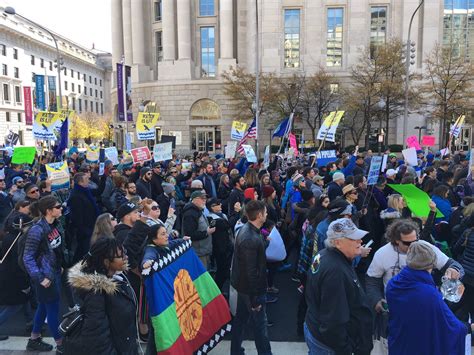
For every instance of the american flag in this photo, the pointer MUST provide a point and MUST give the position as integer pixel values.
(251, 133)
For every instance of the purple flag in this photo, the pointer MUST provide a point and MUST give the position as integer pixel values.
(121, 105)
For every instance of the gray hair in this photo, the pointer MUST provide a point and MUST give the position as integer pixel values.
(329, 243)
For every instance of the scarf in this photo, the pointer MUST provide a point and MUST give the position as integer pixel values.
(87, 191)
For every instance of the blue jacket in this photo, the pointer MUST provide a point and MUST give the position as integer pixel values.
(420, 321)
(444, 206)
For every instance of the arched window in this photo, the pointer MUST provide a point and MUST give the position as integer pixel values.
(205, 109)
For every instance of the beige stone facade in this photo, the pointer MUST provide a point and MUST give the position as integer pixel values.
(172, 75)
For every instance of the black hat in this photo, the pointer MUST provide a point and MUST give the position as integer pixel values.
(338, 206)
(143, 171)
(125, 209)
(212, 202)
(306, 194)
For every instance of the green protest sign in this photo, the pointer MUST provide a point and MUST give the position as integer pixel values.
(417, 200)
(23, 155)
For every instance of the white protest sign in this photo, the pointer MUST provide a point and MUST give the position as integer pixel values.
(374, 170)
(327, 131)
(410, 157)
(163, 151)
(444, 151)
(230, 149)
(249, 153)
(112, 154)
(266, 157)
(276, 249)
(384, 162)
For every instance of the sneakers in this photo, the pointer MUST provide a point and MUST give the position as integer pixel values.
(270, 298)
(272, 289)
(284, 267)
(38, 345)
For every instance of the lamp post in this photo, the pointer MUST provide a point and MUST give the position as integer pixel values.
(380, 137)
(11, 11)
(407, 68)
(419, 128)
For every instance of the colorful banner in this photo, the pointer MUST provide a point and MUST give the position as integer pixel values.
(23, 155)
(412, 141)
(163, 151)
(120, 103)
(53, 104)
(128, 92)
(140, 155)
(188, 313)
(417, 200)
(428, 141)
(325, 157)
(374, 170)
(45, 124)
(28, 105)
(146, 123)
(456, 127)
(58, 173)
(39, 89)
(238, 130)
(293, 143)
(327, 131)
(92, 154)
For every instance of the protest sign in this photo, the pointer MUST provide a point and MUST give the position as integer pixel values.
(266, 157)
(293, 144)
(23, 155)
(384, 162)
(374, 170)
(444, 151)
(230, 149)
(456, 127)
(101, 168)
(249, 153)
(276, 248)
(162, 151)
(92, 154)
(112, 154)
(409, 155)
(428, 141)
(238, 130)
(186, 166)
(417, 200)
(324, 157)
(412, 142)
(44, 125)
(140, 154)
(58, 173)
(146, 123)
(327, 131)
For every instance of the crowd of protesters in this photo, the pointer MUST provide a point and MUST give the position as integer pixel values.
(366, 269)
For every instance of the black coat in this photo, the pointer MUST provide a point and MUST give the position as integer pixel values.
(6, 206)
(135, 243)
(234, 197)
(143, 188)
(223, 193)
(121, 232)
(82, 214)
(164, 202)
(156, 188)
(109, 306)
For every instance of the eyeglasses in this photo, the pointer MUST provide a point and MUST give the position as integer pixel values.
(58, 207)
(33, 191)
(408, 243)
(155, 208)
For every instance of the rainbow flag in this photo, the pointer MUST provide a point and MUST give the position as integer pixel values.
(188, 312)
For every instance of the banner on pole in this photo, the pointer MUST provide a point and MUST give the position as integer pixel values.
(374, 170)
(140, 154)
(323, 157)
(238, 130)
(163, 151)
(45, 124)
(28, 105)
(58, 173)
(128, 92)
(456, 127)
(52, 104)
(327, 131)
(120, 103)
(39, 89)
(146, 123)
(428, 141)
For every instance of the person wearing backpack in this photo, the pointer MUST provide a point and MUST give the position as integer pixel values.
(42, 259)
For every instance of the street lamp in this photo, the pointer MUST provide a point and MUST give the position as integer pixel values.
(381, 105)
(11, 11)
(419, 128)
(407, 68)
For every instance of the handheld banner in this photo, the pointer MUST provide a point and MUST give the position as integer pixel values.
(327, 131)
(456, 127)
(92, 154)
(324, 157)
(111, 153)
(230, 149)
(23, 155)
(163, 151)
(374, 170)
(293, 143)
(146, 123)
(428, 141)
(249, 153)
(384, 162)
(58, 173)
(238, 130)
(410, 156)
(416, 199)
(45, 124)
(140, 154)
(412, 142)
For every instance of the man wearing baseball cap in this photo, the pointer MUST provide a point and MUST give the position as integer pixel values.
(339, 319)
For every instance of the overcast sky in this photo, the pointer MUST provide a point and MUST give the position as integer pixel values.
(82, 21)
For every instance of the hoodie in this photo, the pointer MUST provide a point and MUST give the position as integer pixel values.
(121, 231)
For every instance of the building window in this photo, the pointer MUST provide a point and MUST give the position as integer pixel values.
(4, 69)
(95, 81)
(7, 116)
(101, 96)
(16, 73)
(97, 107)
(90, 79)
(15, 53)
(458, 27)
(65, 85)
(292, 38)
(42, 63)
(78, 75)
(158, 10)
(74, 103)
(100, 82)
(96, 93)
(378, 27)
(72, 87)
(159, 46)
(19, 116)
(84, 77)
(32, 60)
(85, 90)
(205, 109)
(50, 65)
(334, 37)
(206, 7)
(85, 105)
(17, 94)
(3, 49)
(79, 89)
(90, 92)
(80, 105)
(208, 65)
(6, 92)
(72, 73)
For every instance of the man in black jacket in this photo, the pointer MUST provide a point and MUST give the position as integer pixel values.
(249, 278)
(339, 318)
(144, 183)
(156, 181)
(127, 214)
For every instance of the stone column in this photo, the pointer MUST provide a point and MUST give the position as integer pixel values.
(138, 32)
(226, 30)
(117, 32)
(169, 45)
(184, 29)
(127, 31)
(251, 35)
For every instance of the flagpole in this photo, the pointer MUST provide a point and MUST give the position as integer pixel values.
(257, 82)
(324, 139)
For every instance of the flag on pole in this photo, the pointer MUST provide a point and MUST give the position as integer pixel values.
(251, 133)
(282, 128)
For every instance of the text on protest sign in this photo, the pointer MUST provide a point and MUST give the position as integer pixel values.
(249, 153)
(374, 170)
(230, 149)
(428, 141)
(238, 130)
(140, 154)
(58, 173)
(324, 157)
(163, 151)
(146, 123)
(327, 131)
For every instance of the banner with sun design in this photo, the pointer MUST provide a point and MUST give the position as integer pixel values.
(188, 312)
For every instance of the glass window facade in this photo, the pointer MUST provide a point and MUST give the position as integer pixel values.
(159, 46)
(378, 27)
(292, 38)
(458, 27)
(335, 26)
(208, 52)
(206, 7)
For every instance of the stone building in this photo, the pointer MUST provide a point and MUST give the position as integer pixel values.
(179, 48)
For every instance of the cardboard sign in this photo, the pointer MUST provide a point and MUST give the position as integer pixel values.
(58, 173)
(249, 153)
(428, 141)
(112, 154)
(230, 149)
(417, 200)
(410, 156)
(140, 154)
(374, 170)
(412, 141)
(238, 130)
(163, 151)
(293, 144)
(24, 155)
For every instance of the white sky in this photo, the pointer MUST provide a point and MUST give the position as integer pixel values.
(82, 21)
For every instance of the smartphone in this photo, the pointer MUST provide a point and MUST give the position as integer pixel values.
(369, 243)
(212, 223)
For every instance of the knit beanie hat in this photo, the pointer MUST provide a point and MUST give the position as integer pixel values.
(143, 171)
(421, 256)
(167, 187)
(249, 193)
(337, 176)
(267, 191)
(28, 186)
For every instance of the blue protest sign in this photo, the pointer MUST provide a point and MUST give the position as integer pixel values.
(324, 157)
(374, 170)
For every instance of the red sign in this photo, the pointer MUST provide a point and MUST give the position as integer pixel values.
(140, 155)
(28, 105)
(428, 141)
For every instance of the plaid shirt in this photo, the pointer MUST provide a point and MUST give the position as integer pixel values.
(307, 247)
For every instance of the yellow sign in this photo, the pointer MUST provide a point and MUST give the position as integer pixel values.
(456, 128)
(327, 131)
(238, 130)
(146, 123)
(92, 154)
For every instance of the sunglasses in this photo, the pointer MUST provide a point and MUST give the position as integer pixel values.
(58, 207)
(353, 192)
(155, 208)
(112, 219)
(409, 243)
(33, 191)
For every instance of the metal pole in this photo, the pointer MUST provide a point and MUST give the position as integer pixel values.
(125, 115)
(407, 74)
(257, 80)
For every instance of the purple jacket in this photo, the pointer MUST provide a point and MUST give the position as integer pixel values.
(42, 255)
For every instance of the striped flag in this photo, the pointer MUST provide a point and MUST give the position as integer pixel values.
(251, 133)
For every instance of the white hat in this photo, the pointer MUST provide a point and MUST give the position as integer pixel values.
(338, 176)
(345, 228)
(391, 172)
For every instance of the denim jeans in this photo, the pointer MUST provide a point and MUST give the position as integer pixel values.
(259, 322)
(315, 347)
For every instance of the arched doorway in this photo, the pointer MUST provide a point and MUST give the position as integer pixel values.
(205, 119)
